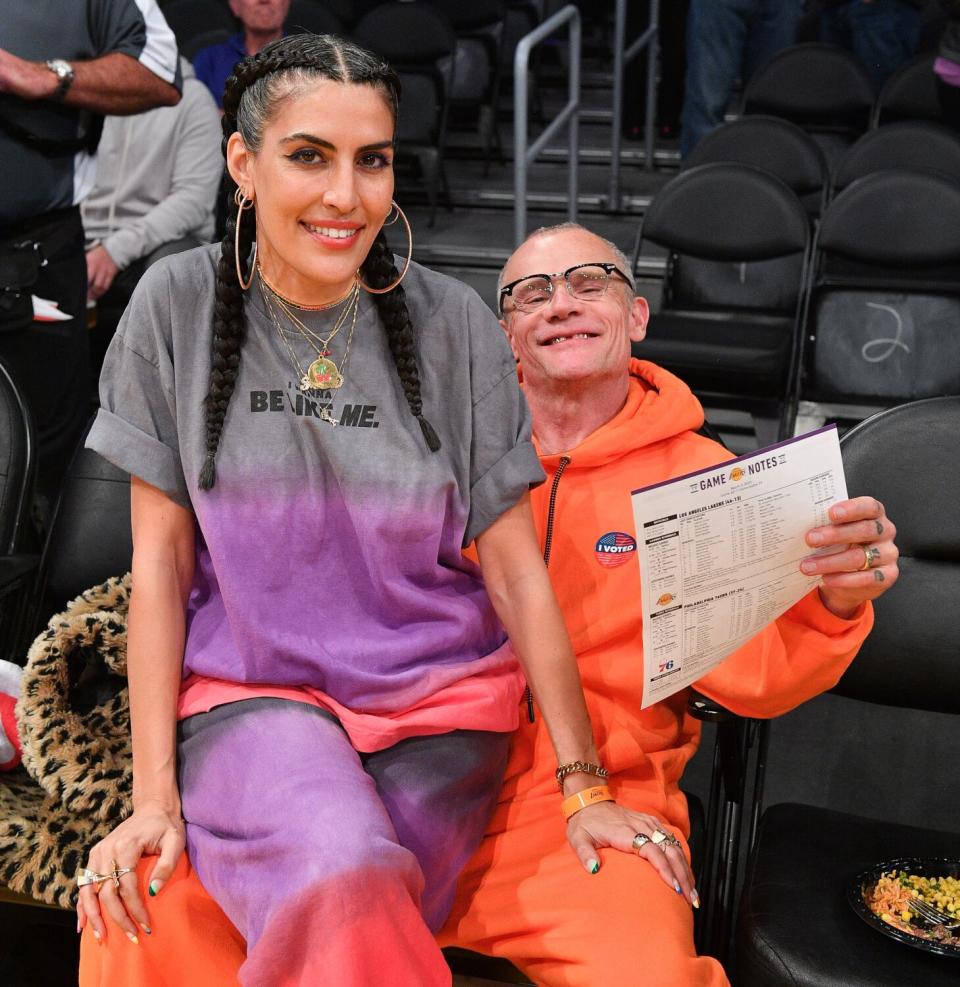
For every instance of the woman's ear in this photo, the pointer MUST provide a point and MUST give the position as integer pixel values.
(240, 163)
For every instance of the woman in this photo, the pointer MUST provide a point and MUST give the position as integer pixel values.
(299, 505)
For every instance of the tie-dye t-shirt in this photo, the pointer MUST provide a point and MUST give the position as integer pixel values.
(327, 556)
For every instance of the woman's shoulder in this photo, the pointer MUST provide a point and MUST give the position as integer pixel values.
(431, 293)
(188, 270)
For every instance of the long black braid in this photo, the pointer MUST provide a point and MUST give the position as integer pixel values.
(319, 56)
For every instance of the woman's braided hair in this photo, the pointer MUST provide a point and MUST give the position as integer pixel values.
(281, 70)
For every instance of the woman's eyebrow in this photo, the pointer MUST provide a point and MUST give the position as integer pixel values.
(320, 142)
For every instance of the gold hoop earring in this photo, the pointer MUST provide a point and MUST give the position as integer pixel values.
(382, 291)
(243, 203)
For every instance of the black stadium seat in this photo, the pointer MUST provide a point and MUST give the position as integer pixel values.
(796, 924)
(884, 313)
(914, 145)
(739, 249)
(771, 144)
(910, 93)
(820, 87)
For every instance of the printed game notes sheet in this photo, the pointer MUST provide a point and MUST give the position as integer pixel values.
(720, 551)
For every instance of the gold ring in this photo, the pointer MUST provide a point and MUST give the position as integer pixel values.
(871, 555)
(640, 841)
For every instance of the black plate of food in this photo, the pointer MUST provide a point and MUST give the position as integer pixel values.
(880, 897)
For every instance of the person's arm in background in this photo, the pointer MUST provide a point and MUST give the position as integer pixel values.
(188, 203)
(162, 573)
(137, 69)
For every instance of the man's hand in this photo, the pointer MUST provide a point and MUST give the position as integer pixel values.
(101, 271)
(862, 563)
(28, 80)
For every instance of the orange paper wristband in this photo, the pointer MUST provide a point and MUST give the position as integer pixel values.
(580, 800)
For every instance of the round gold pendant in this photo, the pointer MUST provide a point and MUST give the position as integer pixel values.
(323, 375)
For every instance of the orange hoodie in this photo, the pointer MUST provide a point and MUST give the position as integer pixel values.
(587, 494)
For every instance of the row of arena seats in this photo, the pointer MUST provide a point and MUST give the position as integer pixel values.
(764, 308)
(804, 860)
(826, 90)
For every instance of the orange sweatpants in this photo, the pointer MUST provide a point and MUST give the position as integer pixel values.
(525, 896)
(192, 943)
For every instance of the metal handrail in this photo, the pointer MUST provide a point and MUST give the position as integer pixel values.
(523, 156)
(650, 39)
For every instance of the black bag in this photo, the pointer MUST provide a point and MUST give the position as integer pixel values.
(20, 263)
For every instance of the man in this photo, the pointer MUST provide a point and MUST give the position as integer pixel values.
(62, 67)
(604, 424)
(262, 22)
(155, 195)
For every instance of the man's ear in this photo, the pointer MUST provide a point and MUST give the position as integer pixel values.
(239, 163)
(638, 318)
(505, 326)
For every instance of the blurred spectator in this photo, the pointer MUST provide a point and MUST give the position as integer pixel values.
(881, 33)
(155, 195)
(947, 65)
(262, 22)
(726, 41)
(122, 58)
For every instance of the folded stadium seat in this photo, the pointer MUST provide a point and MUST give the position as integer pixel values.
(480, 30)
(884, 308)
(19, 558)
(913, 145)
(796, 923)
(188, 19)
(820, 87)
(312, 17)
(774, 145)
(738, 242)
(419, 42)
(910, 93)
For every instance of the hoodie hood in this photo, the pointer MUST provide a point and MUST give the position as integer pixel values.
(659, 406)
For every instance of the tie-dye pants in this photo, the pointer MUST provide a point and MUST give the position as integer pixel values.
(336, 867)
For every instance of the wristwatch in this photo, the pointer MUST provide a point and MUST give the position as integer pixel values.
(64, 72)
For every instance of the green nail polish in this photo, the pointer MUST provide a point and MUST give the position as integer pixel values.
(595, 866)
(153, 890)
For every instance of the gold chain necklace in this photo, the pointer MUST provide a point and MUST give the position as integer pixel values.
(322, 374)
(320, 343)
(306, 308)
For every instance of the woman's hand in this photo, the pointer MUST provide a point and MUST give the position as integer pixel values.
(607, 824)
(152, 829)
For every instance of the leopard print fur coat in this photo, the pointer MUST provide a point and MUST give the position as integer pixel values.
(73, 715)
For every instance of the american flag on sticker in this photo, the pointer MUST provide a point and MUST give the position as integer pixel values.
(614, 548)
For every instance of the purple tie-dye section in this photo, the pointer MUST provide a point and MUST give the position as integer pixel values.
(369, 600)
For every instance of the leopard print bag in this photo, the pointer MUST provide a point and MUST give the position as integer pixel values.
(73, 715)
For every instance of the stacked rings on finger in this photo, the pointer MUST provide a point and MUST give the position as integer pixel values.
(85, 876)
(663, 840)
(871, 556)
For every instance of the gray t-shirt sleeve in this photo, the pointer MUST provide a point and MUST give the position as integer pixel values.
(503, 462)
(136, 426)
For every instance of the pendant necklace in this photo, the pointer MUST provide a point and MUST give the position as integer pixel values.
(322, 374)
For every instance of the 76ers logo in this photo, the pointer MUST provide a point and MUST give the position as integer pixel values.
(614, 548)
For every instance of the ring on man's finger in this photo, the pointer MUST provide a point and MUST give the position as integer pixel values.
(640, 841)
(871, 555)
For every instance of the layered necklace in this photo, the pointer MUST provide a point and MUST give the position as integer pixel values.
(322, 374)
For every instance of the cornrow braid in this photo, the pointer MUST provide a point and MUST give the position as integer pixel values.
(251, 95)
(379, 271)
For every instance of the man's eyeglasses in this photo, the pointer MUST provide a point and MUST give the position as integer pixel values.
(585, 281)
